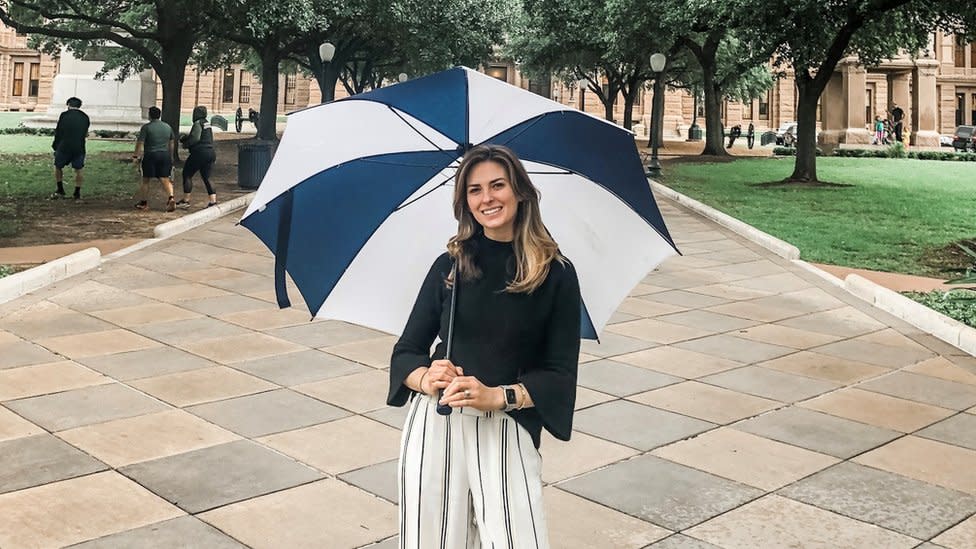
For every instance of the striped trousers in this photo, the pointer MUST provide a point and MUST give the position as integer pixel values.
(468, 480)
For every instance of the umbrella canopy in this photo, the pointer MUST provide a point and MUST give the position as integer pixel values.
(357, 202)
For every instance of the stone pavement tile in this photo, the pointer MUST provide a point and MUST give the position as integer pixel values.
(7, 337)
(779, 283)
(685, 299)
(681, 541)
(267, 320)
(894, 338)
(203, 385)
(210, 274)
(628, 423)
(294, 518)
(749, 459)
(890, 501)
(200, 251)
(818, 432)
(142, 438)
(245, 262)
(782, 335)
(771, 384)
(216, 306)
(575, 523)
(728, 291)
(930, 390)
(843, 322)
(42, 379)
(959, 430)
(339, 446)
(660, 491)
(23, 353)
(582, 453)
(97, 343)
(95, 295)
(371, 352)
(731, 255)
(873, 353)
(775, 521)
(302, 367)
(357, 392)
(646, 306)
(755, 310)
(707, 321)
(180, 333)
(644, 330)
(132, 277)
(161, 261)
(379, 479)
(645, 289)
(326, 333)
(588, 397)
(707, 402)
(686, 262)
(617, 317)
(878, 409)
(943, 369)
(238, 348)
(934, 462)
(13, 426)
(80, 509)
(203, 479)
(185, 532)
(145, 314)
(47, 319)
(824, 367)
(246, 282)
(266, 413)
(617, 378)
(584, 358)
(962, 536)
(85, 406)
(148, 363)
(40, 459)
(735, 348)
(678, 362)
(180, 292)
(758, 267)
(683, 279)
(389, 543)
(394, 416)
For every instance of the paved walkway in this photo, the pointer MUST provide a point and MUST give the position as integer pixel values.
(735, 402)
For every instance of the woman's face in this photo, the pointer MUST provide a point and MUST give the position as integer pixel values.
(491, 200)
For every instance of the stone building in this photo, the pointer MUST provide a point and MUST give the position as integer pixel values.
(25, 74)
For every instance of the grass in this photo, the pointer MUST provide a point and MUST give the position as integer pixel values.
(32, 176)
(41, 145)
(12, 119)
(896, 211)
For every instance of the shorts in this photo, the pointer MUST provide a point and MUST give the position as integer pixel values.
(62, 159)
(157, 164)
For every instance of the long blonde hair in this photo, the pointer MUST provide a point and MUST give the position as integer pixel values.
(534, 248)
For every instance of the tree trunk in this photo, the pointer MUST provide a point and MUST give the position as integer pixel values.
(270, 63)
(326, 74)
(629, 100)
(608, 104)
(805, 166)
(714, 135)
(171, 78)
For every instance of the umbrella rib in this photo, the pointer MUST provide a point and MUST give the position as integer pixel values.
(418, 132)
(439, 185)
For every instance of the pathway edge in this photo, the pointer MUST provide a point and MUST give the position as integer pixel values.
(35, 278)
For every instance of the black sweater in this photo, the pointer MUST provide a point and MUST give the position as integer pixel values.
(499, 337)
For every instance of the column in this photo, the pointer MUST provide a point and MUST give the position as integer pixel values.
(843, 103)
(924, 130)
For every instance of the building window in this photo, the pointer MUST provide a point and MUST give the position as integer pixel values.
(500, 73)
(972, 55)
(228, 85)
(245, 96)
(764, 107)
(290, 81)
(869, 105)
(747, 110)
(960, 52)
(18, 79)
(34, 84)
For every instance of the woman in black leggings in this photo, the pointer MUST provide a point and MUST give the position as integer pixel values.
(201, 159)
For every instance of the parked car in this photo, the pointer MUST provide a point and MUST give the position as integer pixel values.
(945, 140)
(964, 139)
(786, 128)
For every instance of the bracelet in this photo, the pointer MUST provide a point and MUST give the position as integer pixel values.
(525, 396)
(421, 384)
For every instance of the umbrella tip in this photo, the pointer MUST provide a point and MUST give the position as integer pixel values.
(463, 148)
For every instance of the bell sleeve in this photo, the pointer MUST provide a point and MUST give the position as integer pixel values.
(412, 350)
(552, 385)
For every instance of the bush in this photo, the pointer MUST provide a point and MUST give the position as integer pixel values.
(24, 130)
(791, 151)
(896, 150)
(6, 270)
(114, 134)
(956, 304)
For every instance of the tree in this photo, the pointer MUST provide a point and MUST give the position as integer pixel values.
(871, 30)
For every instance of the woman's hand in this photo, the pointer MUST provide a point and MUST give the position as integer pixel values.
(468, 391)
(439, 375)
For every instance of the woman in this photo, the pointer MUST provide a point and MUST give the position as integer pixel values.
(202, 157)
(472, 478)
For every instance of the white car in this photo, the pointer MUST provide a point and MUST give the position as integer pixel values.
(786, 128)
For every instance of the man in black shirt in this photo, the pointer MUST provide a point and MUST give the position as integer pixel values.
(69, 146)
(898, 116)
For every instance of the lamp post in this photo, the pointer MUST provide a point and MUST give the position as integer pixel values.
(326, 53)
(402, 77)
(658, 60)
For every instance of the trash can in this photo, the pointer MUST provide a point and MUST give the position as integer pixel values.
(766, 138)
(253, 159)
(694, 133)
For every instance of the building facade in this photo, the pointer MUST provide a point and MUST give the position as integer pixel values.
(26, 75)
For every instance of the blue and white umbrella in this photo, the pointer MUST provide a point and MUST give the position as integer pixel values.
(357, 202)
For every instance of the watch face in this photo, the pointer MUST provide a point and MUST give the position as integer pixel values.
(510, 396)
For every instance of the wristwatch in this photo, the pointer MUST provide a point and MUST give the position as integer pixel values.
(511, 402)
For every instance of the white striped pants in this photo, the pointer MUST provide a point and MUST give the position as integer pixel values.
(468, 480)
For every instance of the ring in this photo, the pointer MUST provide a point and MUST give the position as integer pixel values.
(467, 394)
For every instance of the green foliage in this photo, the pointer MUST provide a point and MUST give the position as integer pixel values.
(970, 276)
(24, 130)
(893, 213)
(790, 151)
(917, 155)
(896, 150)
(956, 304)
(5, 270)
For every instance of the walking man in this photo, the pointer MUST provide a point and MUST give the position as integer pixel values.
(154, 149)
(898, 116)
(69, 146)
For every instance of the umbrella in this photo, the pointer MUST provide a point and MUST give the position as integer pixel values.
(357, 201)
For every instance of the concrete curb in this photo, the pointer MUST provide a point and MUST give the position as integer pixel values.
(187, 222)
(18, 284)
(819, 272)
(771, 243)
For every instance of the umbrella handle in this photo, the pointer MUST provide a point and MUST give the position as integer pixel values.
(444, 409)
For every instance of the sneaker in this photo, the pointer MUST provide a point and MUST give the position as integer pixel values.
(210, 204)
(56, 195)
(183, 204)
(170, 204)
(142, 205)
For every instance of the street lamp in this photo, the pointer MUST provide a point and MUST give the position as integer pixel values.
(326, 53)
(402, 77)
(658, 60)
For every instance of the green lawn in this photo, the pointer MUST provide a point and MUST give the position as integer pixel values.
(41, 144)
(896, 210)
(27, 176)
(12, 119)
